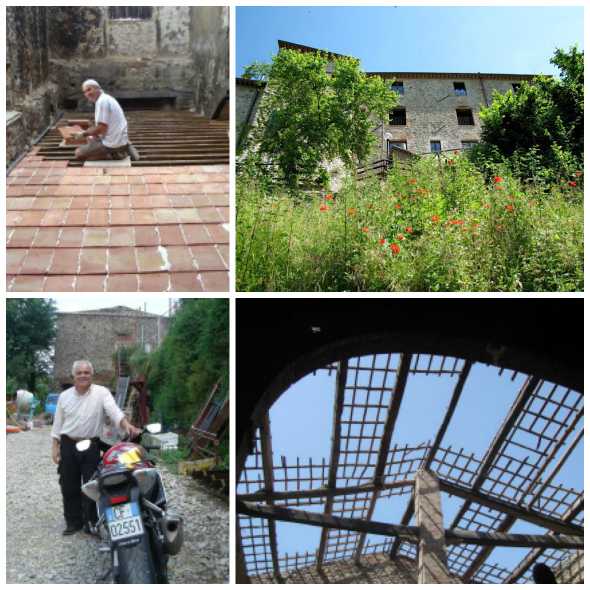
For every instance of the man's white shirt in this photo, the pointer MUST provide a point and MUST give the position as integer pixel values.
(108, 111)
(83, 415)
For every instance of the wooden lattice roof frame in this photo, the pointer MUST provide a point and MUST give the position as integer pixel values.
(497, 489)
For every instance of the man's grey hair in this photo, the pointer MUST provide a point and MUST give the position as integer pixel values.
(77, 364)
(91, 83)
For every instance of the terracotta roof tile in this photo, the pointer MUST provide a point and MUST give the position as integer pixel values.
(150, 228)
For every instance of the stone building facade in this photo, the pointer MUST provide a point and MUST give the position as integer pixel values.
(174, 56)
(97, 335)
(436, 111)
(439, 111)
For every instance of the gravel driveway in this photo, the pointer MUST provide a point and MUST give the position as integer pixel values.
(37, 553)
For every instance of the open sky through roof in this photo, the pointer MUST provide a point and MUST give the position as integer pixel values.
(301, 426)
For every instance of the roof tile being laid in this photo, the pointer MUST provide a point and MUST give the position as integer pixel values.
(152, 228)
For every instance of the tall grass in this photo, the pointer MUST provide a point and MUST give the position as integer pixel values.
(437, 227)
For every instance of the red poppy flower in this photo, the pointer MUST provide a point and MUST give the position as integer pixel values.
(324, 208)
(400, 237)
(450, 162)
(456, 222)
(382, 241)
(330, 197)
(365, 229)
(498, 179)
(573, 183)
(509, 207)
(435, 218)
(409, 230)
(398, 206)
(395, 249)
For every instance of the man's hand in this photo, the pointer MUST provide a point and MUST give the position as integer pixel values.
(55, 454)
(133, 431)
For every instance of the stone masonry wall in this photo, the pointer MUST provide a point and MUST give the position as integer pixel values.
(248, 96)
(210, 55)
(96, 335)
(31, 98)
(377, 568)
(431, 111)
(123, 54)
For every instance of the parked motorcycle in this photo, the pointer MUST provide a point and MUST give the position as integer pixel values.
(133, 522)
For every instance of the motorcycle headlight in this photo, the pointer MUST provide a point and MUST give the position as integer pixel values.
(146, 479)
(91, 490)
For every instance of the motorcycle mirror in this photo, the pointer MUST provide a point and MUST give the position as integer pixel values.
(155, 428)
(83, 445)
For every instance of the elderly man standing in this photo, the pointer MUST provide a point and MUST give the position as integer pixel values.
(80, 415)
(108, 136)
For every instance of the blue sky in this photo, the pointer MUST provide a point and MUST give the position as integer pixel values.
(507, 39)
(301, 425)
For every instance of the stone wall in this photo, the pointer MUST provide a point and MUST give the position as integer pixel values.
(248, 96)
(31, 98)
(377, 568)
(431, 115)
(96, 335)
(210, 55)
(132, 56)
(571, 570)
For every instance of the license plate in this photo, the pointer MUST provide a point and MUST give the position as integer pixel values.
(124, 521)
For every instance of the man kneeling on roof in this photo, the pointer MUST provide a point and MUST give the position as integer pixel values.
(108, 138)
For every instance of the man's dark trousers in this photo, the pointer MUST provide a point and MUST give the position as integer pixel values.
(75, 468)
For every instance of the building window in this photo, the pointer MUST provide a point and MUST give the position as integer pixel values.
(516, 86)
(467, 145)
(402, 145)
(460, 89)
(435, 147)
(397, 117)
(130, 12)
(465, 117)
(398, 87)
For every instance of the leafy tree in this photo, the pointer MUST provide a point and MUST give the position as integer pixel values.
(30, 331)
(315, 110)
(537, 132)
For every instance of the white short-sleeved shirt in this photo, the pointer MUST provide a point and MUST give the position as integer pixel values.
(82, 415)
(108, 111)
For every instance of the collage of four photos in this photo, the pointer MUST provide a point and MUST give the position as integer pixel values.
(294, 294)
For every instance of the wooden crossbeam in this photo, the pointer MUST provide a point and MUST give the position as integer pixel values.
(408, 533)
(324, 492)
(519, 512)
(532, 516)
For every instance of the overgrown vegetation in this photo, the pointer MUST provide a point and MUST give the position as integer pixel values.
(312, 114)
(439, 226)
(193, 357)
(537, 132)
